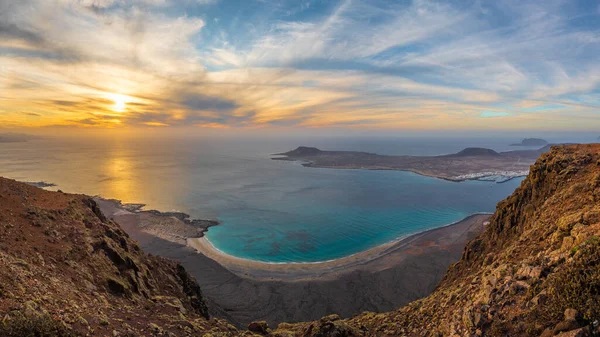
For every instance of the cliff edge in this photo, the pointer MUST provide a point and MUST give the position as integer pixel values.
(66, 270)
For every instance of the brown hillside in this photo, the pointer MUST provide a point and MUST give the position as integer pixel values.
(66, 270)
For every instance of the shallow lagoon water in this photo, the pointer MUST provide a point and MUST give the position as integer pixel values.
(341, 212)
(272, 211)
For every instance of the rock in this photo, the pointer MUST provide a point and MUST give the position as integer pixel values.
(536, 272)
(566, 326)
(478, 319)
(260, 327)
(570, 314)
(567, 243)
(540, 299)
(492, 281)
(117, 287)
(527, 272)
(155, 328)
(331, 318)
(518, 286)
(547, 333)
(582, 332)
(337, 328)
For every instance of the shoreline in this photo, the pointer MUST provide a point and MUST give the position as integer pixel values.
(455, 179)
(177, 227)
(408, 269)
(327, 269)
(173, 226)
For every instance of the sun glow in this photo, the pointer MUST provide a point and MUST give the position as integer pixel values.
(120, 102)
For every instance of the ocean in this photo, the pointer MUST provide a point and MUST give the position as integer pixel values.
(271, 211)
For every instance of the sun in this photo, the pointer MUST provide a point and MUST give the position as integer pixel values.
(120, 102)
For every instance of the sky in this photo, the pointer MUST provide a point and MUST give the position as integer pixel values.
(310, 64)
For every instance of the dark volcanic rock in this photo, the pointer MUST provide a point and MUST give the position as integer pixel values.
(301, 151)
(476, 151)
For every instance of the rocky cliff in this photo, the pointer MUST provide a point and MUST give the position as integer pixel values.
(65, 270)
(535, 271)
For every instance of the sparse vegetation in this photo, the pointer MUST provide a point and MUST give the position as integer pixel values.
(576, 285)
(22, 325)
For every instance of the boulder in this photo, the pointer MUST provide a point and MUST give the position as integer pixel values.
(529, 272)
(540, 299)
(331, 318)
(260, 327)
(566, 326)
(570, 314)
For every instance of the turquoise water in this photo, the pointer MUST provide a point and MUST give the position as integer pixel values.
(342, 212)
(271, 211)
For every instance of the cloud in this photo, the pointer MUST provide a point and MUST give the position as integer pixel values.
(488, 114)
(350, 63)
(355, 29)
(11, 30)
(33, 114)
(198, 102)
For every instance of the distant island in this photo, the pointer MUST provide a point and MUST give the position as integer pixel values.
(472, 163)
(531, 142)
(14, 137)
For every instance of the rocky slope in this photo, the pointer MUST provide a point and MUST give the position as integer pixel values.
(535, 271)
(65, 270)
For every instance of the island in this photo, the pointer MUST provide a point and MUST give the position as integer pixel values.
(531, 142)
(14, 137)
(472, 163)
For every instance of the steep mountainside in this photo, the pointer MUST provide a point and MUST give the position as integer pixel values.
(534, 271)
(65, 270)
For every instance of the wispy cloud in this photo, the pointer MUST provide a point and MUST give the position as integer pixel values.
(350, 63)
